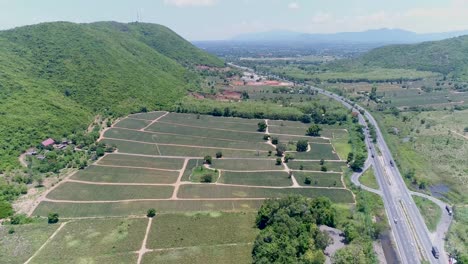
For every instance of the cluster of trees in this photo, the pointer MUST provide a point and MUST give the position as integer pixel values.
(289, 230)
(357, 157)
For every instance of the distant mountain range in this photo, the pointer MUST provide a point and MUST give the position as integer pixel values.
(383, 35)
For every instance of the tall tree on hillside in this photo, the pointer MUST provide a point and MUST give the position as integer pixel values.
(314, 130)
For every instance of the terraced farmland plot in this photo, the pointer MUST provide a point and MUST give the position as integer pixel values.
(148, 116)
(292, 138)
(189, 118)
(318, 179)
(132, 123)
(335, 166)
(95, 241)
(218, 191)
(317, 152)
(216, 133)
(201, 229)
(141, 161)
(154, 137)
(235, 124)
(270, 178)
(181, 151)
(246, 164)
(140, 207)
(300, 131)
(74, 191)
(125, 175)
(226, 254)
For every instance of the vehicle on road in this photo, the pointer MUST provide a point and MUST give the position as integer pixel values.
(449, 210)
(395, 220)
(435, 252)
(391, 163)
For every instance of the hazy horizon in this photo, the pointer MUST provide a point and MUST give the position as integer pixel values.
(199, 20)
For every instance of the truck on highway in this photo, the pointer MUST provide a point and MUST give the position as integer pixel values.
(435, 252)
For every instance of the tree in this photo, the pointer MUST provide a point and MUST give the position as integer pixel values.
(314, 130)
(278, 161)
(373, 93)
(302, 145)
(207, 178)
(323, 168)
(245, 95)
(465, 129)
(352, 254)
(52, 218)
(151, 212)
(280, 149)
(322, 161)
(307, 180)
(219, 154)
(208, 159)
(306, 119)
(5, 209)
(262, 126)
(274, 141)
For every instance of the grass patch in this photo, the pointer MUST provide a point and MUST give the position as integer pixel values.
(125, 175)
(368, 179)
(229, 254)
(27, 239)
(95, 241)
(430, 212)
(458, 233)
(90, 192)
(318, 179)
(317, 152)
(191, 165)
(202, 174)
(271, 178)
(201, 229)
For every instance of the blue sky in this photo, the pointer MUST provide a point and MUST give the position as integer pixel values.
(222, 19)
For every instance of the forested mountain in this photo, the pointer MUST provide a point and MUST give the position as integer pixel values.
(55, 77)
(448, 56)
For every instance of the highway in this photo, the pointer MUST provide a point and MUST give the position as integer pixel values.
(409, 230)
(411, 236)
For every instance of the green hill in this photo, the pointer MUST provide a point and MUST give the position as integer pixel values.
(448, 56)
(55, 77)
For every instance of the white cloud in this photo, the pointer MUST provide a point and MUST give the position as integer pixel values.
(293, 5)
(185, 3)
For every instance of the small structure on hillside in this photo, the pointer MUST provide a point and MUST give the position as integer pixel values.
(48, 142)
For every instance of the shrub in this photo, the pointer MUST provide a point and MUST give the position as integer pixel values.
(208, 159)
(302, 145)
(323, 168)
(266, 137)
(262, 126)
(207, 178)
(53, 218)
(219, 154)
(151, 212)
(274, 141)
(278, 161)
(280, 149)
(307, 180)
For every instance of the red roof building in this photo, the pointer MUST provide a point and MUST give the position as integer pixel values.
(48, 142)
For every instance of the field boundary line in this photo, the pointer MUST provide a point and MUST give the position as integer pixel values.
(121, 184)
(132, 167)
(154, 121)
(143, 248)
(46, 242)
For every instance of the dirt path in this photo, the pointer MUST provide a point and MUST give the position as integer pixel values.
(154, 121)
(22, 160)
(207, 246)
(461, 135)
(178, 182)
(143, 248)
(47, 241)
(132, 167)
